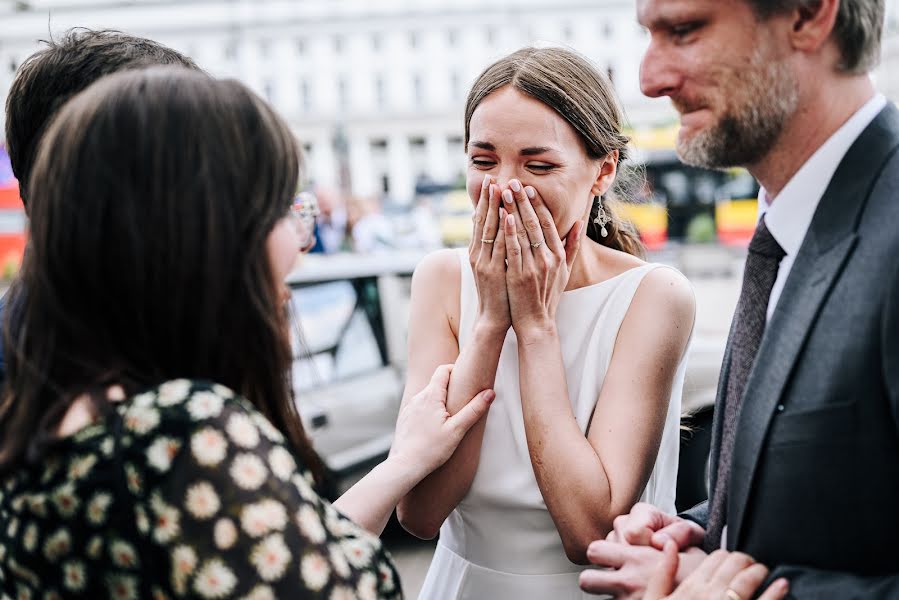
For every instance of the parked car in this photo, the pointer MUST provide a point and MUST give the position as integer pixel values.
(350, 361)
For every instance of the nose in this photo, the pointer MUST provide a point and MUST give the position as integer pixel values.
(659, 73)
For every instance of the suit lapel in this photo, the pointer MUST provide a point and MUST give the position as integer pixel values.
(827, 246)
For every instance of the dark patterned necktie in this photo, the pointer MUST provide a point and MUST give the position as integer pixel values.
(762, 263)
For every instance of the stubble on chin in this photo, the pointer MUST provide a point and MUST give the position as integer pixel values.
(759, 103)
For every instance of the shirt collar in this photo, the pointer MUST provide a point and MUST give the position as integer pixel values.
(789, 218)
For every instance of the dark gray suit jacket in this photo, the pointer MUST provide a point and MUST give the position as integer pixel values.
(814, 488)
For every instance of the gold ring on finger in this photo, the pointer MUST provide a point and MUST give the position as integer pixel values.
(536, 245)
(732, 595)
(486, 241)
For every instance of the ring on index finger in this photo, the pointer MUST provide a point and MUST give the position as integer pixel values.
(732, 595)
(486, 241)
(536, 245)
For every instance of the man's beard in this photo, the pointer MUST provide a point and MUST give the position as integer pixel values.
(760, 103)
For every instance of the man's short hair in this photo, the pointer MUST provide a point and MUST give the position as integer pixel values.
(857, 31)
(64, 67)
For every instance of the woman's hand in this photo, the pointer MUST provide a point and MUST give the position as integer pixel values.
(722, 576)
(426, 435)
(539, 263)
(487, 255)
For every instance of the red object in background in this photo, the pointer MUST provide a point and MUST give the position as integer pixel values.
(13, 230)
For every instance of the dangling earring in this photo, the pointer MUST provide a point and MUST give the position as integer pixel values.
(602, 217)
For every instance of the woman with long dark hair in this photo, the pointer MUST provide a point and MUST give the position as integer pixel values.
(149, 442)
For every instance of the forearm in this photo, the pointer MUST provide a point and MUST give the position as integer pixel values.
(568, 469)
(424, 509)
(371, 501)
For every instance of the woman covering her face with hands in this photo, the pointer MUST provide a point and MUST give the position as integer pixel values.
(552, 306)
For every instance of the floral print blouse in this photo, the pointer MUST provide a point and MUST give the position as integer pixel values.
(184, 491)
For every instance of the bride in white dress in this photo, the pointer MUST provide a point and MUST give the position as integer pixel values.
(551, 306)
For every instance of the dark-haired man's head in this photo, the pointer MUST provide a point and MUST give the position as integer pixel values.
(64, 67)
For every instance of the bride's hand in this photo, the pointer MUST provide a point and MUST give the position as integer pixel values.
(539, 263)
(426, 435)
(487, 255)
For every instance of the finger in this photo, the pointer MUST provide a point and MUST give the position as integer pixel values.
(512, 209)
(440, 380)
(685, 534)
(499, 247)
(662, 581)
(728, 569)
(612, 537)
(480, 214)
(747, 581)
(528, 215)
(604, 553)
(573, 244)
(596, 581)
(777, 590)
(513, 246)
(471, 413)
(491, 221)
(545, 219)
(707, 567)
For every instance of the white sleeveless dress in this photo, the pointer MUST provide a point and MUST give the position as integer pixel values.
(500, 543)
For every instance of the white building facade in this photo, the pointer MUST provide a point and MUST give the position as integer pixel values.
(374, 90)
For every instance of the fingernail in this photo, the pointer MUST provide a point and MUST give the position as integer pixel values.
(510, 220)
(515, 185)
(502, 213)
(531, 192)
(486, 181)
(507, 196)
(490, 396)
(492, 191)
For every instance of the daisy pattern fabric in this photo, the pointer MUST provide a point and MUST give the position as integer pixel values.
(184, 491)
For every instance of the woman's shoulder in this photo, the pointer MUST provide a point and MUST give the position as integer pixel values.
(439, 268)
(665, 295)
(195, 402)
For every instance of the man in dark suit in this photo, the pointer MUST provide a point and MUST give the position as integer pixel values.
(805, 450)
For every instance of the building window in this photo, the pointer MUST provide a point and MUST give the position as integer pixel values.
(265, 48)
(567, 32)
(610, 71)
(418, 91)
(608, 30)
(338, 44)
(376, 42)
(417, 143)
(380, 92)
(269, 89)
(301, 46)
(379, 145)
(231, 50)
(413, 39)
(491, 36)
(343, 94)
(452, 37)
(455, 85)
(305, 96)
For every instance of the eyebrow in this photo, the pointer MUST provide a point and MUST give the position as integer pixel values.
(531, 151)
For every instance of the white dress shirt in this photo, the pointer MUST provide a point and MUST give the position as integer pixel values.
(789, 218)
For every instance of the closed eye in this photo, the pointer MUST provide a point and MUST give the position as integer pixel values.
(682, 30)
(482, 163)
(540, 167)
